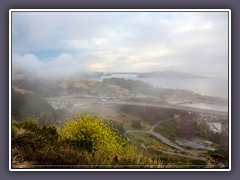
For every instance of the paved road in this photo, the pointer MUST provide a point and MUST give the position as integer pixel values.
(170, 143)
(160, 137)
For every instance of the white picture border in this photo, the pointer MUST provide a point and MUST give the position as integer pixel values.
(120, 10)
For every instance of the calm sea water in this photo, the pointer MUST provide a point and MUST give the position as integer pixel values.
(211, 86)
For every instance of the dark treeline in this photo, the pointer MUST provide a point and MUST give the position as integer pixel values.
(25, 105)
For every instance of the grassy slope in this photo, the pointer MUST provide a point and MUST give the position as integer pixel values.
(44, 146)
(35, 146)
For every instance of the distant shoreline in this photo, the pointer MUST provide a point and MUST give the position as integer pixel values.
(169, 74)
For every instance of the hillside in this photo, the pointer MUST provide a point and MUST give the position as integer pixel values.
(47, 131)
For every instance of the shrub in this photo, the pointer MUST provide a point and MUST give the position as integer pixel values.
(30, 124)
(136, 124)
(91, 133)
(29, 133)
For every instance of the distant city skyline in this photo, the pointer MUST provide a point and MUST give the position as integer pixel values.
(66, 43)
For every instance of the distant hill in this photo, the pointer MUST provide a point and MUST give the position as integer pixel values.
(169, 74)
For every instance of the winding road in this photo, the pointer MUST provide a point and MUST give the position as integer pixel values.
(170, 143)
(158, 136)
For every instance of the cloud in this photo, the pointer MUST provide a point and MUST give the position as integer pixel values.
(61, 43)
(99, 66)
(155, 66)
(27, 61)
(64, 65)
(148, 54)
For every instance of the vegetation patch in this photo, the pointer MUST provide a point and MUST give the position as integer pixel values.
(85, 141)
(169, 129)
(91, 133)
(186, 129)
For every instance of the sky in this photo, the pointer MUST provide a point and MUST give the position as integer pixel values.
(67, 43)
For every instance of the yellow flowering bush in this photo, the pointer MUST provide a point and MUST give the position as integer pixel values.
(92, 133)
